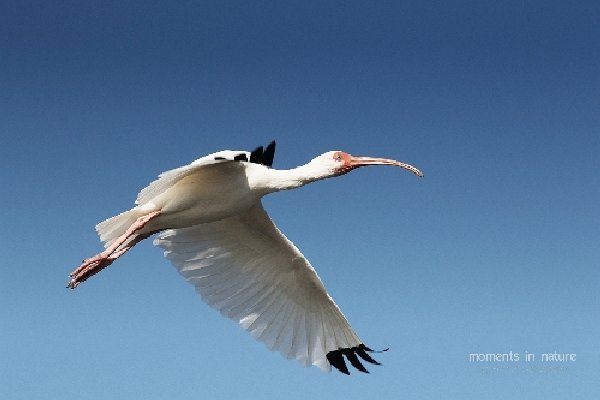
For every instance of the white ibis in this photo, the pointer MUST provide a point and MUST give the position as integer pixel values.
(215, 231)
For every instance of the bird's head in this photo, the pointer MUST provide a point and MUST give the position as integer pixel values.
(339, 163)
(330, 164)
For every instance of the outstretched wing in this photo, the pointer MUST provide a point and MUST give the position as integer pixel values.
(169, 178)
(244, 267)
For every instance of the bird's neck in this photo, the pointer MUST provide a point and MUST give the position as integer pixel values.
(284, 179)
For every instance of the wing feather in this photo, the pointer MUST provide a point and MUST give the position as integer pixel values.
(244, 267)
(169, 178)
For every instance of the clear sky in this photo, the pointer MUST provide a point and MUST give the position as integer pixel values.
(495, 250)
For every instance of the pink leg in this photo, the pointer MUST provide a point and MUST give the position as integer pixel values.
(93, 265)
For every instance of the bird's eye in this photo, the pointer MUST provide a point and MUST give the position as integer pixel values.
(338, 157)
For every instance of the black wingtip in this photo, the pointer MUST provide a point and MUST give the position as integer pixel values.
(269, 155)
(336, 358)
(256, 155)
(239, 157)
(264, 157)
(361, 350)
(351, 356)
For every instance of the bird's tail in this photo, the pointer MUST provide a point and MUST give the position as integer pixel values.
(114, 227)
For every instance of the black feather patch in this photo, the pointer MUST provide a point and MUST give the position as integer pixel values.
(361, 350)
(240, 157)
(351, 356)
(269, 155)
(336, 358)
(258, 156)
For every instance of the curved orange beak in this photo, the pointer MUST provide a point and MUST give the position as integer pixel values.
(357, 162)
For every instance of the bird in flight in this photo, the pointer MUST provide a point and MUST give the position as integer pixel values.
(213, 228)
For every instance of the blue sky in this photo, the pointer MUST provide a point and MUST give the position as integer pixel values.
(494, 250)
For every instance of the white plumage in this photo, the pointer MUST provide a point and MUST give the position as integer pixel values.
(246, 269)
(214, 230)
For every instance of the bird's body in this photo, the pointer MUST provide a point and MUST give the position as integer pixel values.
(215, 231)
(183, 203)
